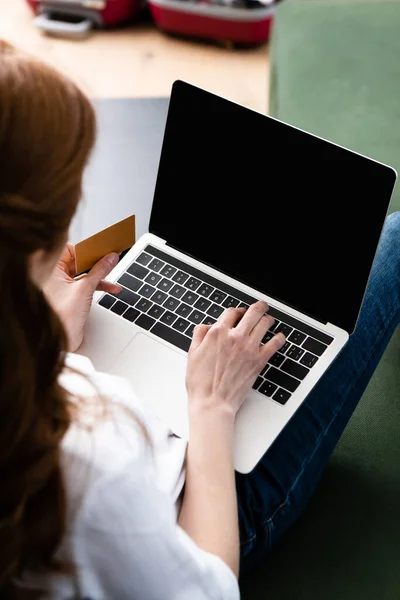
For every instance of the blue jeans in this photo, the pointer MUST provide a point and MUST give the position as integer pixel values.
(274, 494)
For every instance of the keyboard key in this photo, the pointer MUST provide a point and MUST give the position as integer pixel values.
(184, 310)
(168, 271)
(143, 304)
(156, 264)
(131, 314)
(145, 322)
(309, 360)
(119, 307)
(275, 325)
(283, 379)
(171, 303)
(170, 335)
(192, 283)
(297, 337)
(168, 318)
(267, 388)
(146, 290)
(230, 301)
(130, 282)
(107, 301)
(189, 330)
(181, 324)
(177, 291)
(165, 285)
(268, 336)
(202, 276)
(209, 321)
(156, 311)
(190, 297)
(276, 360)
(138, 271)
(127, 296)
(243, 305)
(265, 369)
(218, 296)
(159, 297)
(303, 327)
(314, 346)
(293, 368)
(196, 317)
(285, 348)
(215, 311)
(294, 353)
(205, 290)
(180, 277)
(281, 396)
(202, 304)
(283, 328)
(153, 278)
(191, 271)
(257, 383)
(144, 258)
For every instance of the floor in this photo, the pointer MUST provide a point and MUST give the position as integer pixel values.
(141, 61)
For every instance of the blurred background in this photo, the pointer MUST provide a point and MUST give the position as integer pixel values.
(137, 59)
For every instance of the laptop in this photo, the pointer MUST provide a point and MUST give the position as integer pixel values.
(245, 208)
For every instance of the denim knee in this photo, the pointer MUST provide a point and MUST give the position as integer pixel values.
(392, 226)
(390, 239)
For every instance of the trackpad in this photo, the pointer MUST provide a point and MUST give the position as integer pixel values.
(157, 374)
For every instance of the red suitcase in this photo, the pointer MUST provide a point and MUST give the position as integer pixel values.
(77, 17)
(202, 19)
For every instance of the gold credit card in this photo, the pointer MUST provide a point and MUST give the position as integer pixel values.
(117, 238)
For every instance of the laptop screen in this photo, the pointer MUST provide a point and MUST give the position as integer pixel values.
(287, 213)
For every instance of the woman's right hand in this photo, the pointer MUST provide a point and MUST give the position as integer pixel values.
(225, 359)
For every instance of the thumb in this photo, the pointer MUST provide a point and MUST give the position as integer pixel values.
(199, 333)
(101, 269)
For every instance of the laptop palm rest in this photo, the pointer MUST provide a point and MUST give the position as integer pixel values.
(157, 375)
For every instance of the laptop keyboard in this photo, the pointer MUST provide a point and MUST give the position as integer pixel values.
(168, 297)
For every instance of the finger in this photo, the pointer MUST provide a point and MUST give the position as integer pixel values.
(67, 260)
(253, 314)
(261, 328)
(271, 347)
(199, 333)
(71, 249)
(231, 316)
(101, 269)
(108, 286)
(70, 262)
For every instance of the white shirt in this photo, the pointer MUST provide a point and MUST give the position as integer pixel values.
(123, 495)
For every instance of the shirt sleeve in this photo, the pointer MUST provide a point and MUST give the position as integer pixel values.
(128, 545)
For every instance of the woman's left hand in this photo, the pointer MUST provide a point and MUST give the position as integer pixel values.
(71, 298)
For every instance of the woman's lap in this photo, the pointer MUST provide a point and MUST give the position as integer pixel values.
(273, 495)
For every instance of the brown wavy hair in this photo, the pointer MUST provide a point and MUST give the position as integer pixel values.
(47, 130)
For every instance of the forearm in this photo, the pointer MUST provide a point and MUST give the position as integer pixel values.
(209, 509)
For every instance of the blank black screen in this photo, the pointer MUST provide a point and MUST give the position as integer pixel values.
(287, 213)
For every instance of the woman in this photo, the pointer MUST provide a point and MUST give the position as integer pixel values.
(93, 502)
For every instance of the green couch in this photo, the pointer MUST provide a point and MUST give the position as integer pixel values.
(335, 71)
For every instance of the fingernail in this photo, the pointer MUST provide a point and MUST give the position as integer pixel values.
(113, 259)
(281, 337)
